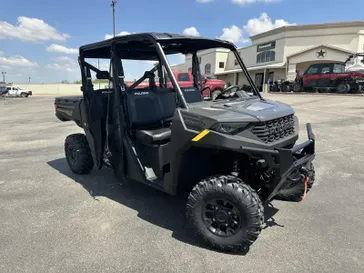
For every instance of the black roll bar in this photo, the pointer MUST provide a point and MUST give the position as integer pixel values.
(170, 74)
(246, 72)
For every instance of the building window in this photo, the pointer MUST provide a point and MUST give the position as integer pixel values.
(207, 69)
(221, 64)
(266, 56)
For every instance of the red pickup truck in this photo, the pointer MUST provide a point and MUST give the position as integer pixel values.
(185, 79)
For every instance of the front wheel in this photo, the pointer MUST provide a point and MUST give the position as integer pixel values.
(297, 87)
(24, 95)
(226, 213)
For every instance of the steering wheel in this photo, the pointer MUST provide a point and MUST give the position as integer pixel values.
(228, 90)
(206, 87)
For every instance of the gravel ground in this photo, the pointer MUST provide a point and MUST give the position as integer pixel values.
(54, 221)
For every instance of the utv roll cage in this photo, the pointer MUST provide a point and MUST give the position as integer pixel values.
(152, 47)
(361, 54)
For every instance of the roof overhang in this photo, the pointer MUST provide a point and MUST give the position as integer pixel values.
(320, 46)
(253, 68)
(306, 27)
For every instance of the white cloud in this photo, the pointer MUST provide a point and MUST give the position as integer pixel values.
(233, 34)
(262, 24)
(204, 1)
(109, 36)
(254, 26)
(192, 31)
(16, 61)
(61, 49)
(63, 63)
(30, 30)
(246, 2)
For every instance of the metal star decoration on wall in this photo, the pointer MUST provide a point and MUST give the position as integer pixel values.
(321, 53)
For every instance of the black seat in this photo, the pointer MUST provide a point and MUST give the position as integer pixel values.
(192, 94)
(150, 113)
(154, 136)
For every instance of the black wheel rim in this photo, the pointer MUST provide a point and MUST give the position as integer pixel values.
(341, 88)
(221, 217)
(71, 154)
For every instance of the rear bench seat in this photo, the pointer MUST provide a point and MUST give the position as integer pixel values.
(150, 112)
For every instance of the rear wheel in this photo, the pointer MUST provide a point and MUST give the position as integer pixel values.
(78, 154)
(343, 88)
(360, 89)
(226, 213)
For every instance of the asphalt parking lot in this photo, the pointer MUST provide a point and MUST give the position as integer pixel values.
(54, 221)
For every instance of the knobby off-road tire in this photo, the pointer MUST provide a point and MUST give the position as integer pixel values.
(241, 205)
(78, 154)
(297, 87)
(295, 192)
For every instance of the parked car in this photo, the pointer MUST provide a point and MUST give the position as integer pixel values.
(3, 90)
(13, 91)
(209, 87)
(231, 154)
(330, 77)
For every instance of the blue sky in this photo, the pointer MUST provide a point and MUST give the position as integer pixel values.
(40, 38)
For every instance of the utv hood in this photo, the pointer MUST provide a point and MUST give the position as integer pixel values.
(243, 110)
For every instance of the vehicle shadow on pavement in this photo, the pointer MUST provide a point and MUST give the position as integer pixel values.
(152, 205)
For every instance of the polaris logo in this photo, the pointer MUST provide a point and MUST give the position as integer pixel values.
(141, 93)
(189, 90)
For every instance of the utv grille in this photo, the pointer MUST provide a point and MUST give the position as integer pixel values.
(276, 129)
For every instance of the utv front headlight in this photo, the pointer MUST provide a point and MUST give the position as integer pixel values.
(229, 128)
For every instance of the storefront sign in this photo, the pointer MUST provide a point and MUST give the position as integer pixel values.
(266, 46)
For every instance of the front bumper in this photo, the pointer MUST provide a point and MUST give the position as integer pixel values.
(285, 162)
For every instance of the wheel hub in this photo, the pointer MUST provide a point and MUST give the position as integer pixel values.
(221, 217)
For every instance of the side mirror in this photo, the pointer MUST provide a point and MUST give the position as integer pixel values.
(102, 75)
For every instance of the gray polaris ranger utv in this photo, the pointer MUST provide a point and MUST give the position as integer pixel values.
(231, 154)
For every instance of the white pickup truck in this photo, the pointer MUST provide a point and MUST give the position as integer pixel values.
(13, 91)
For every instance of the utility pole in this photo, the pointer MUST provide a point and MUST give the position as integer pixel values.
(113, 3)
(29, 79)
(4, 73)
